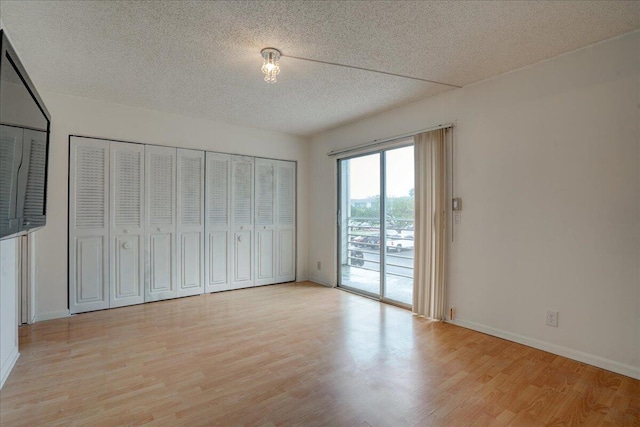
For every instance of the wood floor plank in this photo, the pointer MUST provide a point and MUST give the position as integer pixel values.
(295, 354)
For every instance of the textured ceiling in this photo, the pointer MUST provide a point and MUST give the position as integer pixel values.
(202, 59)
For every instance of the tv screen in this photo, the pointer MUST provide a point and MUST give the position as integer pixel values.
(24, 148)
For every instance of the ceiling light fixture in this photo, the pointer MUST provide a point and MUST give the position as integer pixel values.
(271, 64)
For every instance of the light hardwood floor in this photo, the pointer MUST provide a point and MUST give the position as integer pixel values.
(295, 354)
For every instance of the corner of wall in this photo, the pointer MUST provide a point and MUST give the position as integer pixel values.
(7, 366)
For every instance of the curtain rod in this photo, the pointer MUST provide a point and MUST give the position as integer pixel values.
(384, 141)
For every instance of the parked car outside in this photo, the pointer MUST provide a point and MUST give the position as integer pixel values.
(398, 242)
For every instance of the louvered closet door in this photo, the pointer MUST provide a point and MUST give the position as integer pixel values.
(34, 214)
(218, 223)
(160, 226)
(242, 217)
(286, 222)
(127, 224)
(10, 159)
(88, 225)
(190, 241)
(265, 251)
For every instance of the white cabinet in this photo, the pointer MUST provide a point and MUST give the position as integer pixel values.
(88, 225)
(242, 222)
(126, 224)
(285, 222)
(265, 203)
(160, 180)
(190, 232)
(218, 222)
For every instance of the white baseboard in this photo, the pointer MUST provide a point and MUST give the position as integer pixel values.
(52, 315)
(319, 281)
(8, 366)
(590, 359)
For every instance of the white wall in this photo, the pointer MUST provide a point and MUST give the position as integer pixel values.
(8, 308)
(547, 161)
(81, 116)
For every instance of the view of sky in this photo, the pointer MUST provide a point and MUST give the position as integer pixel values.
(365, 174)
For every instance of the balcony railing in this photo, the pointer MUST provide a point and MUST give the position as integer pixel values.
(363, 245)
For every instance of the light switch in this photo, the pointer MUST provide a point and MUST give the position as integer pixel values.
(457, 217)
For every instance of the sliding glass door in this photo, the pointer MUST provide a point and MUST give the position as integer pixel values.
(360, 224)
(376, 200)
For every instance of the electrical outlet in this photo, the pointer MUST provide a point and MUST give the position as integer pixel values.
(552, 318)
(319, 265)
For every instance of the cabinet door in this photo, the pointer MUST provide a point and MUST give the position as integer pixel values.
(160, 226)
(127, 224)
(242, 215)
(190, 242)
(88, 225)
(286, 222)
(265, 189)
(218, 223)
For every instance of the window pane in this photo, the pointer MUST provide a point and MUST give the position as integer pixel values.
(360, 219)
(399, 205)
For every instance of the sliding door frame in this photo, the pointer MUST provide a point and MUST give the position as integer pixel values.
(383, 223)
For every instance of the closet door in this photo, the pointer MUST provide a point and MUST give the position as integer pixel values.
(265, 251)
(218, 223)
(160, 227)
(286, 222)
(10, 160)
(242, 216)
(127, 224)
(35, 179)
(190, 241)
(88, 225)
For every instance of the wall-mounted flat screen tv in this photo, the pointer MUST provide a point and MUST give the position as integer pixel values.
(24, 148)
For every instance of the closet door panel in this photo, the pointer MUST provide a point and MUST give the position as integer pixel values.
(127, 276)
(265, 204)
(190, 222)
(243, 260)
(190, 263)
(160, 195)
(286, 221)
(242, 214)
(88, 225)
(265, 260)
(90, 271)
(217, 261)
(127, 224)
(218, 245)
(286, 256)
(161, 256)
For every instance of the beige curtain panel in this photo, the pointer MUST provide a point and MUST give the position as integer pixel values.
(430, 211)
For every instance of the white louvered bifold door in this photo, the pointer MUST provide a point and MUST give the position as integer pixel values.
(265, 212)
(242, 225)
(218, 223)
(190, 234)
(88, 225)
(10, 159)
(160, 226)
(36, 179)
(285, 222)
(127, 224)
